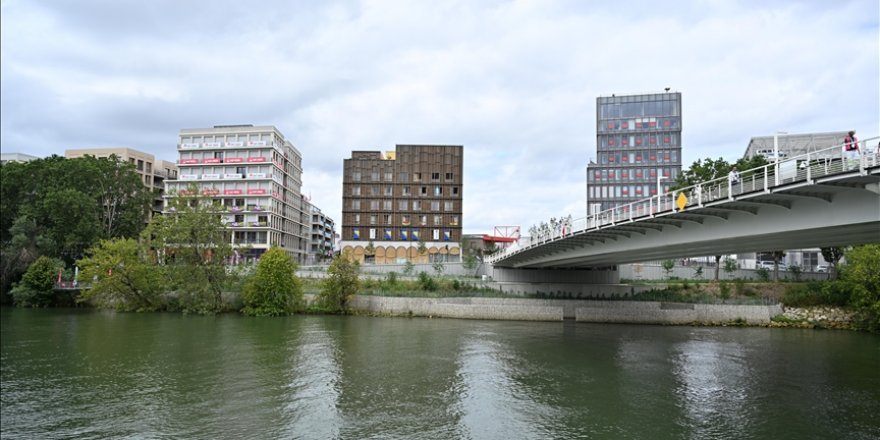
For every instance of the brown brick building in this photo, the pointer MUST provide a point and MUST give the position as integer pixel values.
(399, 199)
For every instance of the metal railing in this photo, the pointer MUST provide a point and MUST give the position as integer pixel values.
(802, 168)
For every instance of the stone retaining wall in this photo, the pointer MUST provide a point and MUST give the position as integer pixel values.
(528, 309)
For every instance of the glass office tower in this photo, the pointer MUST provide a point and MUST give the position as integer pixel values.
(638, 148)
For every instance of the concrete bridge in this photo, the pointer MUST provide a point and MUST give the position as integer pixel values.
(815, 200)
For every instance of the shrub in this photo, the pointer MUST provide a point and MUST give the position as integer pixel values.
(698, 272)
(121, 278)
(763, 274)
(274, 289)
(724, 288)
(37, 285)
(795, 271)
(391, 279)
(408, 268)
(439, 268)
(667, 266)
(426, 282)
(862, 275)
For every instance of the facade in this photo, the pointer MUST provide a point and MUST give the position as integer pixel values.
(321, 235)
(153, 172)
(256, 176)
(790, 145)
(638, 148)
(404, 205)
(16, 157)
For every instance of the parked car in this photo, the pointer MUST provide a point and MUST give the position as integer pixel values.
(822, 268)
(766, 265)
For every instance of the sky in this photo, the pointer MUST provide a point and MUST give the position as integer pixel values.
(514, 82)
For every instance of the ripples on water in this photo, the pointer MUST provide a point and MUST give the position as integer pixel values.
(75, 374)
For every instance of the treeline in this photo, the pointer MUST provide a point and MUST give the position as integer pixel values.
(58, 208)
(182, 261)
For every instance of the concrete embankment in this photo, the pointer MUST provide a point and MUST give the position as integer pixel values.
(526, 309)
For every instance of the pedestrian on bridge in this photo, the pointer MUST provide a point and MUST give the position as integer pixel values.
(851, 149)
(733, 178)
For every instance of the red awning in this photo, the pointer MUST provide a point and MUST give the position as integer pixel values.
(495, 239)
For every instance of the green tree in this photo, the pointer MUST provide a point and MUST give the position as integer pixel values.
(422, 249)
(777, 255)
(194, 245)
(121, 277)
(439, 267)
(273, 289)
(730, 265)
(37, 285)
(408, 268)
(832, 255)
(469, 262)
(698, 272)
(667, 266)
(342, 282)
(862, 277)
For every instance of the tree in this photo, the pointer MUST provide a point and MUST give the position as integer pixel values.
(194, 245)
(342, 282)
(37, 286)
(832, 255)
(698, 272)
(862, 276)
(422, 249)
(777, 255)
(439, 267)
(121, 277)
(702, 170)
(469, 262)
(717, 266)
(274, 289)
(730, 266)
(667, 266)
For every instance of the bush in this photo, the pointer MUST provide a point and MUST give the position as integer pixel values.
(862, 275)
(408, 268)
(391, 279)
(274, 289)
(121, 278)
(342, 282)
(37, 286)
(426, 282)
(724, 289)
(795, 271)
(763, 274)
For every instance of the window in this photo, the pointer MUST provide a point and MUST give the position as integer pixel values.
(423, 220)
(435, 206)
(438, 191)
(356, 176)
(386, 218)
(447, 206)
(406, 191)
(356, 190)
(435, 176)
(438, 220)
(403, 177)
(436, 234)
(374, 176)
(389, 177)
(387, 205)
(453, 221)
(355, 204)
(404, 220)
(372, 233)
(449, 176)
(374, 190)
(455, 190)
(403, 205)
(389, 190)
(373, 218)
(374, 205)
(417, 177)
(417, 205)
(423, 191)
(217, 155)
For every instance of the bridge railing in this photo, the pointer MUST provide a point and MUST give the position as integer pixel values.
(804, 167)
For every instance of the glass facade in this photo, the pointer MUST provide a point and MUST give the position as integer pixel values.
(638, 140)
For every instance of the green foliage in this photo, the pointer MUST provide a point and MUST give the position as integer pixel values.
(194, 246)
(423, 249)
(832, 255)
(439, 267)
(60, 207)
(408, 268)
(724, 290)
(426, 282)
(121, 278)
(668, 265)
(37, 285)
(730, 265)
(469, 262)
(391, 279)
(698, 272)
(763, 274)
(370, 249)
(341, 284)
(274, 289)
(862, 276)
(795, 271)
(704, 170)
(816, 293)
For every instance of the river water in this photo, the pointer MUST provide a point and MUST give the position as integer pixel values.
(91, 374)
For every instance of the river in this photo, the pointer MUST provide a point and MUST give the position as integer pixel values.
(89, 374)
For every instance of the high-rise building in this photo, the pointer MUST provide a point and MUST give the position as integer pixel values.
(392, 202)
(153, 173)
(638, 148)
(256, 176)
(323, 229)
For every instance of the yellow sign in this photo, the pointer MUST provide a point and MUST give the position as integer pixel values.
(681, 201)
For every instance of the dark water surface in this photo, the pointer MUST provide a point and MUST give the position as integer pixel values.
(90, 375)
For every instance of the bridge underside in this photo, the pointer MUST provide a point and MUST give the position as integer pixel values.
(835, 211)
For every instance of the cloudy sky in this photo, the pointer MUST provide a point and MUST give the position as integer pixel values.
(515, 82)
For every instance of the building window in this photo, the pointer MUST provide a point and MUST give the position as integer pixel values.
(436, 234)
(435, 176)
(453, 221)
(386, 218)
(417, 177)
(406, 191)
(355, 204)
(389, 191)
(403, 205)
(447, 206)
(455, 190)
(389, 177)
(372, 233)
(403, 177)
(374, 190)
(374, 205)
(438, 191)
(387, 205)
(356, 176)
(417, 205)
(404, 220)
(423, 191)
(374, 176)
(435, 206)
(438, 220)
(373, 218)
(423, 220)
(356, 190)
(449, 177)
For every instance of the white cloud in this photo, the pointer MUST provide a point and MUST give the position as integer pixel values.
(515, 82)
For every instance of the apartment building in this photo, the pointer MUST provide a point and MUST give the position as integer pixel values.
(403, 205)
(323, 230)
(255, 175)
(638, 148)
(153, 173)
